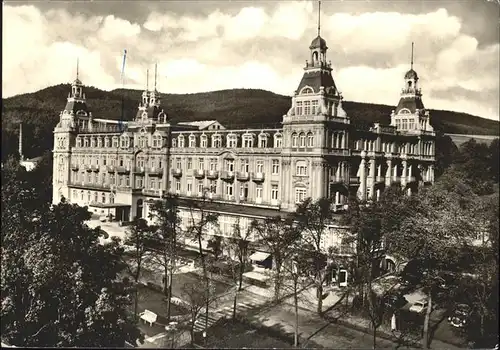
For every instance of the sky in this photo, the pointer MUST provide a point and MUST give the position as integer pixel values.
(212, 45)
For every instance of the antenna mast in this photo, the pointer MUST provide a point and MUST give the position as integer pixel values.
(319, 16)
(156, 64)
(412, 55)
(77, 64)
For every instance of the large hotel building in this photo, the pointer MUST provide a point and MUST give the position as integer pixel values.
(118, 168)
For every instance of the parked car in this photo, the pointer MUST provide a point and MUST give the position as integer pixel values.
(419, 306)
(460, 315)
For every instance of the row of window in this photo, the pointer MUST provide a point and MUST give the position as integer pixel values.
(216, 141)
(228, 189)
(405, 124)
(113, 160)
(94, 196)
(391, 147)
(124, 141)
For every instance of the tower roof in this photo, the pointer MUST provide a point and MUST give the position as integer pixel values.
(316, 79)
(411, 74)
(318, 42)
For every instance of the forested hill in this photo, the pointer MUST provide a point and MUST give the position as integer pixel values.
(39, 112)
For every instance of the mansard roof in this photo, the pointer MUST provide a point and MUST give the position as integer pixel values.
(317, 78)
(410, 103)
(75, 106)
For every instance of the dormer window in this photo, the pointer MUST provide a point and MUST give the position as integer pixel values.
(143, 142)
(106, 142)
(180, 141)
(203, 141)
(124, 141)
(174, 142)
(232, 141)
(115, 141)
(278, 140)
(247, 141)
(99, 142)
(307, 90)
(157, 141)
(263, 140)
(192, 141)
(217, 141)
(92, 142)
(78, 142)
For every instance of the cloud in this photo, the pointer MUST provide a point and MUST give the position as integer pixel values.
(254, 47)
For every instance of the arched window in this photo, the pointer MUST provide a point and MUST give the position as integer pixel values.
(192, 141)
(92, 142)
(232, 140)
(302, 140)
(301, 168)
(174, 142)
(180, 141)
(216, 141)
(106, 142)
(78, 142)
(124, 141)
(203, 141)
(300, 194)
(310, 140)
(263, 140)
(247, 140)
(295, 140)
(115, 141)
(306, 90)
(81, 195)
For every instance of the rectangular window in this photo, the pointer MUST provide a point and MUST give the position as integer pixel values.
(229, 189)
(298, 108)
(189, 164)
(259, 166)
(201, 164)
(200, 187)
(213, 186)
(178, 163)
(314, 106)
(307, 107)
(245, 166)
(213, 165)
(258, 191)
(301, 169)
(276, 167)
(229, 165)
(178, 185)
(300, 195)
(274, 192)
(189, 186)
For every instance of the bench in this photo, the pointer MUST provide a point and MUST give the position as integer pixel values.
(148, 316)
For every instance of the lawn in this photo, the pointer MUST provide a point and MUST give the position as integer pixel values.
(155, 302)
(236, 334)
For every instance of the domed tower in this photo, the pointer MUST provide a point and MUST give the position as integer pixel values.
(410, 115)
(64, 137)
(307, 128)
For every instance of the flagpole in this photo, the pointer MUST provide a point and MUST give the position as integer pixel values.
(123, 88)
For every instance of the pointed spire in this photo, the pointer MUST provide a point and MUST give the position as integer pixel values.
(412, 55)
(319, 16)
(155, 74)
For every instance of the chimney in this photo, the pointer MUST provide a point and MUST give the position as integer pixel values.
(21, 141)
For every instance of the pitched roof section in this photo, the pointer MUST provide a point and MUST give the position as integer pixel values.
(200, 124)
(410, 103)
(317, 78)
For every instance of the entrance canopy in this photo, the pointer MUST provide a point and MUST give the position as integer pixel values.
(259, 256)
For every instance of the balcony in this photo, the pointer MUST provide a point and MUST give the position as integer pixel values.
(337, 180)
(123, 170)
(335, 207)
(94, 168)
(155, 171)
(227, 175)
(212, 174)
(354, 181)
(152, 192)
(177, 172)
(110, 168)
(243, 176)
(139, 170)
(339, 152)
(199, 173)
(88, 168)
(258, 177)
(87, 185)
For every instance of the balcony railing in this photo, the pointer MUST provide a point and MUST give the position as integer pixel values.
(243, 176)
(152, 192)
(212, 174)
(199, 173)
(227, 175)
(139, 170)
(123, 170)
(177, 172)
(155, 171)
(84, 184)
(258, 177)
(94, 168)
(353, 181)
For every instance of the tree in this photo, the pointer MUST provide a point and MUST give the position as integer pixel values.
(200, 222)
(197, 297)
(313, 218)
(215, 245)
(139, 233)
(60, 287)
(165, 215)
(441, 223)
(237, 247)
(279, 235)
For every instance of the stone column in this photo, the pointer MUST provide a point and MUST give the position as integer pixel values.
(405, 171)
(362, 176)
(388, 173)
(337, 173)
(373, 177)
